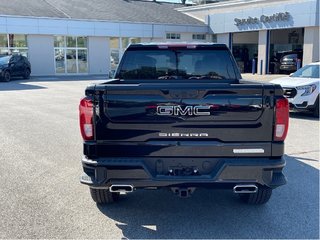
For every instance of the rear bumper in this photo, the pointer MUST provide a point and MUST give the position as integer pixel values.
(303, 107)
(300, 103)
(176, 172)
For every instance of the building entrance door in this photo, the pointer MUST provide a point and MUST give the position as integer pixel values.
(245, 50)
(286, 50)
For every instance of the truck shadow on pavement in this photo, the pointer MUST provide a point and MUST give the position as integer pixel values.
(304, 116)
(292, 212)
(30, 84)
(18, 85)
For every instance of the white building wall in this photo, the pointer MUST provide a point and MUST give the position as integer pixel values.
(41, 54)
(311, 45)
(262, 51)
(98, 55)
(186, 37)
(223, 38)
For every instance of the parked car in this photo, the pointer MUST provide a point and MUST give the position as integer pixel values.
(302, 88)
(288, 62)
(13, 66)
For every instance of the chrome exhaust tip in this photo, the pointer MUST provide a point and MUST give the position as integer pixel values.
(121, 188)
(249, 188)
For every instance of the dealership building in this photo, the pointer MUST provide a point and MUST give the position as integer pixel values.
(62, 37)
(88, 37)
(263, 30)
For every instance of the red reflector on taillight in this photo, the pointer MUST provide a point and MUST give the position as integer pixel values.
(282, 119)
(85, 117)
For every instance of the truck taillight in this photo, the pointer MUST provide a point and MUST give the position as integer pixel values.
(86, 118)
(282, 119)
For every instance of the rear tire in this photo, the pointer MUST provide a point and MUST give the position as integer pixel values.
(262, 196)
(27, 73)
(103, 196)
(6, 76)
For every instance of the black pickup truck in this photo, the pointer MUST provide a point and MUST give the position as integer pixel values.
(180, 116)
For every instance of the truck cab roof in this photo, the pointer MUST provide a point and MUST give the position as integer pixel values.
(192, 45)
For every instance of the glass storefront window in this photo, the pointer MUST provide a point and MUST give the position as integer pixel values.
(4, 51)
(59, 59)
(214, 38)
(23, 52)
(245, 50)
(173, 36)
(114, 42)
(114, 58)
(71, 42)
(71, 61)
(3, 40)
(284, 43)
(71, 54)
(244, 55)
(125, 42)
(82, 61)
(16, 40)
(135, 40)
(198, 36)
(13, 44)
(82, 42)
(116, 50)
(59, 41)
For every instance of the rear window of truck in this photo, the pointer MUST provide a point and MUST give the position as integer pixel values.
(214, 64)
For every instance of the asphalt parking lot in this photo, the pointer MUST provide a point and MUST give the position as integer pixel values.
(41, 196)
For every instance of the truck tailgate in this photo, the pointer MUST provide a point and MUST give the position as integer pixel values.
(184, 119)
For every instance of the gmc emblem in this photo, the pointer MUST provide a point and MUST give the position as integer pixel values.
(183, 111)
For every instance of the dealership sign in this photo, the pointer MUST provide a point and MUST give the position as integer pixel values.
(263, 19)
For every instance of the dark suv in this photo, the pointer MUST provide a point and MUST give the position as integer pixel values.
(14, 65)
(288, 61)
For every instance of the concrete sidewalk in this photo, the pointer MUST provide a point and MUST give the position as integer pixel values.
(265, 78)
